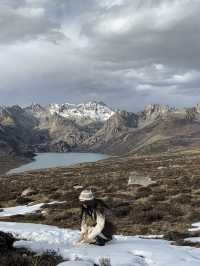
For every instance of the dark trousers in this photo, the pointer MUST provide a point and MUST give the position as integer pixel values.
(100, 241)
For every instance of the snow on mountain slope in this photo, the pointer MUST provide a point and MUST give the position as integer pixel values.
(36, 109)
(96, 111)
(122, 251)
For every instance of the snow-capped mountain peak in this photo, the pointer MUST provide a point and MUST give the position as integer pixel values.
(96, 111)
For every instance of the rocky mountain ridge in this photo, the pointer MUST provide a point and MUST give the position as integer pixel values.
(96, 127)
(84, 113)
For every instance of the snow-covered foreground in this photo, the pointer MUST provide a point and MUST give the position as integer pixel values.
(122, 251)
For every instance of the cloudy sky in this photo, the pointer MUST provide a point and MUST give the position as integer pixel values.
(127, 53)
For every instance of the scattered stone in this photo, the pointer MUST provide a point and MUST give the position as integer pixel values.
(161, 167)
(175, 166)
(44, 212)
(77, 187)
(137, 179)
(27, 192)
(68, 173)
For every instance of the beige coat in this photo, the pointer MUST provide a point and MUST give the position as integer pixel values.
(93, 227)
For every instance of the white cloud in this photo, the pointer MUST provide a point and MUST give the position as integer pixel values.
(38, 2)
(30, 12)
(114, 25)
(187, 77)
(111, 3)
(159, 67)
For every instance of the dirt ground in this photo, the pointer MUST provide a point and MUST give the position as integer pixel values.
(170, 203)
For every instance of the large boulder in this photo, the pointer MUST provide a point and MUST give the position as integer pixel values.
(139, 179)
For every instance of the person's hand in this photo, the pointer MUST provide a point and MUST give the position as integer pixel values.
(77, 242)
(80, 240)
(88, 241)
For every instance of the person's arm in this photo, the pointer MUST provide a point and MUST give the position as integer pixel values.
(98, 228)
(82, 237)
(84, 231)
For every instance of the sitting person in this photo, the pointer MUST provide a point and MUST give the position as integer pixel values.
(95, 227)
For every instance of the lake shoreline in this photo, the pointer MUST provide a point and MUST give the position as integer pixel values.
(48, 160)
(8, 163)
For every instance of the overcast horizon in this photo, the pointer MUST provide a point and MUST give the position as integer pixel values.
(125, 53)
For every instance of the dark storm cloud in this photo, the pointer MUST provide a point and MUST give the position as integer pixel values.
(126, 53)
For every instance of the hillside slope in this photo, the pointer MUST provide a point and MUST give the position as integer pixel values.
(96, 127)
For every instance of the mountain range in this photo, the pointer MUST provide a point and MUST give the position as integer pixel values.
(95, 127)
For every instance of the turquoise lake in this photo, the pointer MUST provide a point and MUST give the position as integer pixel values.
(48, 160)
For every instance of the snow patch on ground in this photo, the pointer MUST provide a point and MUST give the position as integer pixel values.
(122, 251)
(24, 209)
(76, 263)
(195, 227)
(151, 236)
(193, 239)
